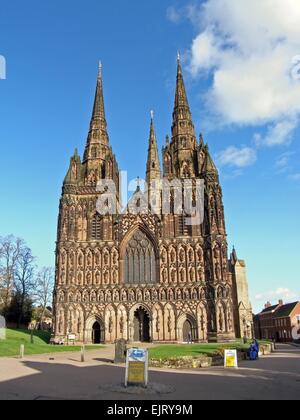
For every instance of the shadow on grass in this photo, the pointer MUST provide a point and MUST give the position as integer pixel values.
(42, 335)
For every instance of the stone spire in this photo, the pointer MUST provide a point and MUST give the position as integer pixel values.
(182, 117)
(233, 256)
(98, 127)
(98, 119)
(153, 163)
(74, 173)
(210, 167)
(201, 142)
(184, 143)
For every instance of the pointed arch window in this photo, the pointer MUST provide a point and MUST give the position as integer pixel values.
(103, 171)
(96, 228)
(168, 163)
(94, 152)
(186, 173)
(183, 142)
(140, 261)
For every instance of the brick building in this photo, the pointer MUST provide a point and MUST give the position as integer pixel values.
(277, 321)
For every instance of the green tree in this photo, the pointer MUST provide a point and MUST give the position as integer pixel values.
(20, 309)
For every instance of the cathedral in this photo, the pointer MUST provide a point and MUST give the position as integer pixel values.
(146, 275)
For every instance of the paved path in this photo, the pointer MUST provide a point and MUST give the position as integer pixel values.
(275, 377)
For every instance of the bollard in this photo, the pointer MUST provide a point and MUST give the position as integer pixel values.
(22, 351)
(82, 354)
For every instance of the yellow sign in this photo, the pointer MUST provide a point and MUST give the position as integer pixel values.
(136, 372)
(231, 359)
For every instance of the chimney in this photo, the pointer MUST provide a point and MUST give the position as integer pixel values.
(280, 302)
(268, 305)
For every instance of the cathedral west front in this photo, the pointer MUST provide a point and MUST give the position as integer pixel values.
(146, 275)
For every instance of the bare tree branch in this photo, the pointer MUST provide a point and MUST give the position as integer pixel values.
(24, 277)
(10, 251)
(44, 290)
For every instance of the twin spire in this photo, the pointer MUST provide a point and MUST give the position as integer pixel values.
(98, 119)
(182, 116)
(98, 134)
(181, 100)
(183, 134)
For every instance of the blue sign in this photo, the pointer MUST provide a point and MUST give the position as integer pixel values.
(137, 367)
(137, 355)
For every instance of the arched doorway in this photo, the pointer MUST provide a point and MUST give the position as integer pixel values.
(187, 331)
(141, 324)
(96, 333)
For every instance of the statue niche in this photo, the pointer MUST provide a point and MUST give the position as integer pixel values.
(140, 262)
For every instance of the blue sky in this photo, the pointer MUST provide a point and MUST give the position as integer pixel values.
(241, 99)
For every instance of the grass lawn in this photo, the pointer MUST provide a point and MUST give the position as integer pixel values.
(173, 351)
(14, 338)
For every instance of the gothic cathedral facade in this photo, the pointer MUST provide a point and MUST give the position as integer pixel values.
(146, 276)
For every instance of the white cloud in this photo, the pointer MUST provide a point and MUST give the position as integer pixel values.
(295, 177)
(235, 157)
(283, 160)
(173, 15)
(280, 293)
(250, 51)
(279, 133)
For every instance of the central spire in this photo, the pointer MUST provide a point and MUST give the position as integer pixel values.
(98, 127)
(98, 119)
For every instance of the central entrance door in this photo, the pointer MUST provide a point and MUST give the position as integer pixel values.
(187, 331)
(141, 326)
(96, 334)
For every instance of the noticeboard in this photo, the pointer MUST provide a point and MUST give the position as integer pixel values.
(136, 367)
(230, 359)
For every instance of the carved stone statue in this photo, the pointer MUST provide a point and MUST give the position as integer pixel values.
(157, 324)
(200, 254)
(173, 276)
(122, 325)
(221, 325)
(110, 324)
(218, 271)
(173, 256)
(169, 324)
(165, 276)
(182, 276)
